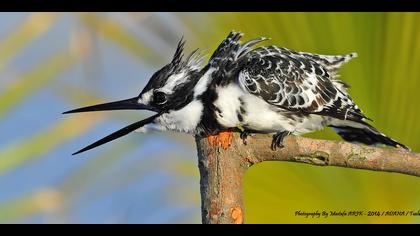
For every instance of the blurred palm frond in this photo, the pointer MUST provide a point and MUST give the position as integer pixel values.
(117, 34)
(44, 142)
(35, 79)
(33, 26)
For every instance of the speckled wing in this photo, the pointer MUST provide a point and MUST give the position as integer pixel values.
(231, 50)
(300, 82)
(223, 55)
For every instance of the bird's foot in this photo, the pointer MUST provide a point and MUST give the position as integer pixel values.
(278, 140)
(244, 135)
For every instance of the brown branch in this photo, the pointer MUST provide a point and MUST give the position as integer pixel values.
(223, 160)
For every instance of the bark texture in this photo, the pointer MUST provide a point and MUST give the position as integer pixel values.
(223, 160)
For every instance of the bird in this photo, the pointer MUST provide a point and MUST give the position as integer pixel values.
(248, 89)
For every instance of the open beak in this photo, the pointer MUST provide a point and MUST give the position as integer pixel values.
(119, 133)
(127, 104)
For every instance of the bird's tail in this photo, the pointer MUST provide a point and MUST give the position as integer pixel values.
(366, 134)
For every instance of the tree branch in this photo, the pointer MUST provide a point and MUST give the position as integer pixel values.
(223, 160)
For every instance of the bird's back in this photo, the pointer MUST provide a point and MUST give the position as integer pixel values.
(298, 81)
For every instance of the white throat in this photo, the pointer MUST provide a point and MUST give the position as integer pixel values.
(184, 120)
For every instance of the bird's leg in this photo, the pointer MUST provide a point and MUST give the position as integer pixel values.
(244, 133)
(278, 140)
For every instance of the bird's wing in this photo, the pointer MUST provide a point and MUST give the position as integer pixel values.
(297, 82)
(231, 50)
(227, 48)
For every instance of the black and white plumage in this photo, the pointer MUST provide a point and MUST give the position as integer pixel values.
(256, 90)
(277, 90)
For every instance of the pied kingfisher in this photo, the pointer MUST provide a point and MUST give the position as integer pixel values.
(252, 90)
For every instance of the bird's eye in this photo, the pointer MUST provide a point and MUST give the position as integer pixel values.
(159, 97)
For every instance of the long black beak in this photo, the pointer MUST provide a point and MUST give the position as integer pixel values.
(127, 104)
(124, 131)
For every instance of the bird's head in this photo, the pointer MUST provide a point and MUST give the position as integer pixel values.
(170, 88)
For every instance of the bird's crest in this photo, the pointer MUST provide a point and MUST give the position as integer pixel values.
(193, 62)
